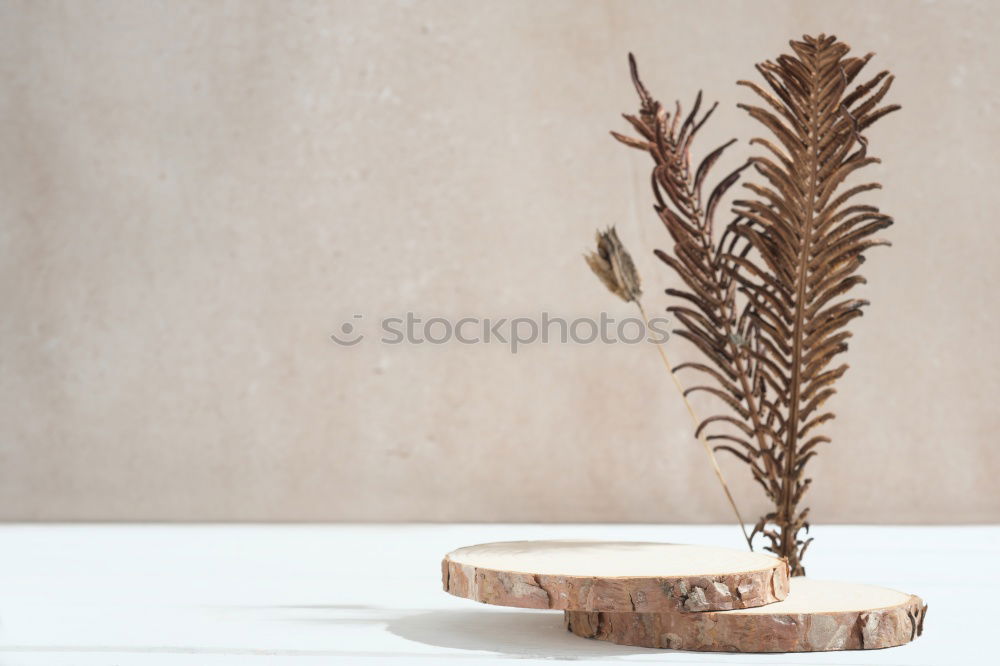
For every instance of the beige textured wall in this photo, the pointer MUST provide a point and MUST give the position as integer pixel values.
(195, 195)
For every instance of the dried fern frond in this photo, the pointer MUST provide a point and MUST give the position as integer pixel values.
(709, 314)
(809, 237)
(764, 301)
(614, 266)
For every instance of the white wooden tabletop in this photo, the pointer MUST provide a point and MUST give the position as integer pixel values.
(371, 594)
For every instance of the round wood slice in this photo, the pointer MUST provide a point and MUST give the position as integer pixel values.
(817, 615)
(614, 576)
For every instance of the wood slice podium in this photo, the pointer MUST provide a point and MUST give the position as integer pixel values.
(613, 576)
(817, 615)
(662, 595)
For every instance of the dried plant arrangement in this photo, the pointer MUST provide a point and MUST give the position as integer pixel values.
(765, 297)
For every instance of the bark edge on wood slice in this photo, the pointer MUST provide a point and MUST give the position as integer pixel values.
(817, 616)
(614, 576)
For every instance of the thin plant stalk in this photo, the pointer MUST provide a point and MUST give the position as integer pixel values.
(613, 265)
(701, 436)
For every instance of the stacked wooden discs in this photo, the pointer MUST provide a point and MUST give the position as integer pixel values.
(682, 597)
